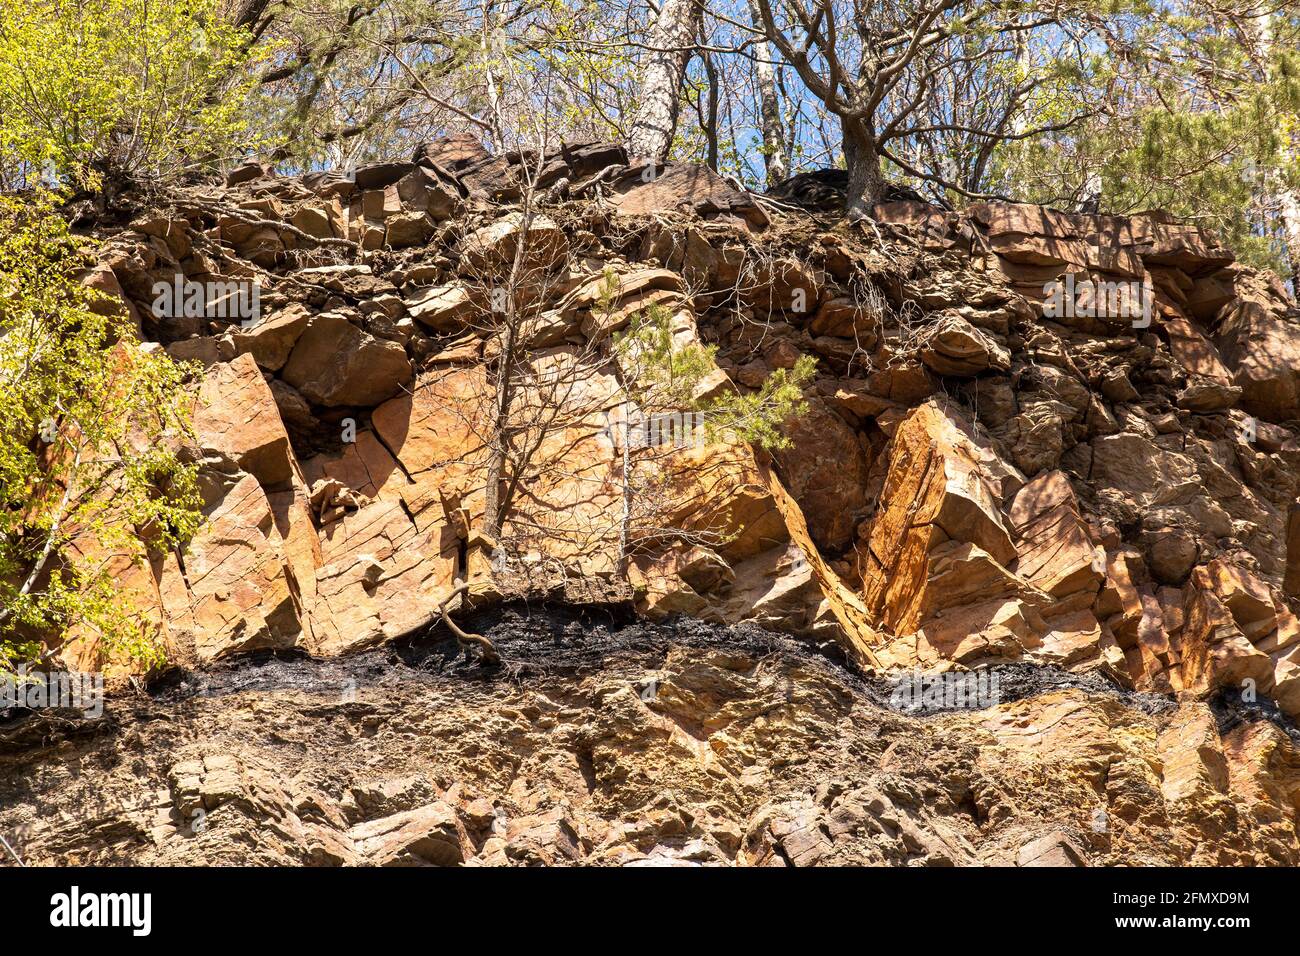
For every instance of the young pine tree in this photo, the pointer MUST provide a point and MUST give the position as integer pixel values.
(663, 373)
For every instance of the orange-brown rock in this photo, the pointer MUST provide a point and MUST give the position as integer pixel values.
(972, 483)
(1292, 580)
(271, 342)
(1031, 234)
(1055, 552)
(334, 363)
(490, 251)
(685, 188)
(1260, 345)
(937, 490)
(825, 469)
(956, 348)
(236, 415)
(1214, 651)
(235, 590)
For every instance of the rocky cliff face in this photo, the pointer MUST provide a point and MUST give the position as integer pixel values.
(1058, 440)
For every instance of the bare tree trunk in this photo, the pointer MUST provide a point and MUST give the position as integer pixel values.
(1289, 211)
(492, 497)
(248, 12)
(711, 121)
(494, 508)
(1284, 197)
(625, 524)
(1024, 66)
(672, 43)
(776, 166)
(866, 183)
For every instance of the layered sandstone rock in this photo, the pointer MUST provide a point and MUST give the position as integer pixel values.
(637, 745)
(1064, 439)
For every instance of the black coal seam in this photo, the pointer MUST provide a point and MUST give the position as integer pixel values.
(551, 641)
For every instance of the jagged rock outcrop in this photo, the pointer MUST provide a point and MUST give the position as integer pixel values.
(1033, 436)
(622, 744)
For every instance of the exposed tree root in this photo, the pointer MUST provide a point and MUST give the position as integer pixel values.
(487, 650)
(247, 220)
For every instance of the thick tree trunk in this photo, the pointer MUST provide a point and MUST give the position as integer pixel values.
(711, 121)
(248, 12)
(776, 164)
(866, 183)
(672, 42)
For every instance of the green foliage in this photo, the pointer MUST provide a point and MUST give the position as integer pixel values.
(88, 462)
(662, 373)
(354, 83)
(659, 372)
(757, 417)
(594, 75)
(1194, 112)
(88, 86)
